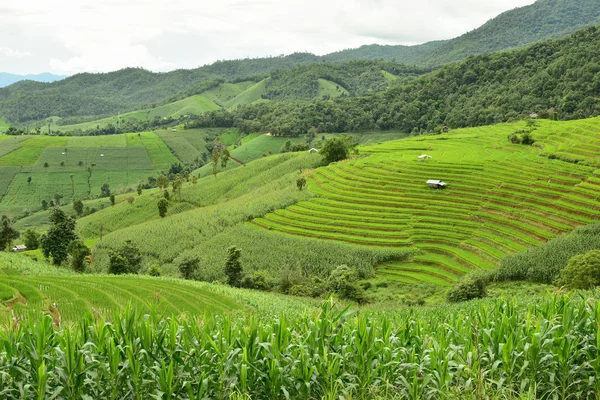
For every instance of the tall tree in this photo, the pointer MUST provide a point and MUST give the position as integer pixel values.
(233, 267)
(7, 233)
(78, 252)
(61, 233)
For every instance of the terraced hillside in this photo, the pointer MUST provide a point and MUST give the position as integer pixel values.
(68, 296)
(502, 198)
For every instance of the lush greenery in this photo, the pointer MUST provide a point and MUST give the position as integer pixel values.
(555, 76)
(493, 349)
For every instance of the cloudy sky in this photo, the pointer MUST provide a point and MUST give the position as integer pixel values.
(69, 36)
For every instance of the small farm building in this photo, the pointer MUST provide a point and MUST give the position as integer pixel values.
(18, 248)
(436, 184)
(313, 150)
(424, 157)
(445, 129)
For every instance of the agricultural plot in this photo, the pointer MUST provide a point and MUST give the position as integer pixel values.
(251, 95)
(27, 286)
(36, 168)
(227, 92)
(575, 141)
(502, 198)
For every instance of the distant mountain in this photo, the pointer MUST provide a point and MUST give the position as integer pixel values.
(545, 19)
(133, 88)
(7, 79)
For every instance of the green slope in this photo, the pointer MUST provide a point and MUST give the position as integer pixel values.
(502, 198)
(251, 95)
(330, 89)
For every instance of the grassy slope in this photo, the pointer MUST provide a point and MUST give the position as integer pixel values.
(28, 286)
(331, 89)
(191, 105)
(502, 198)
(227, 91)
(249, 96)
(3, 125)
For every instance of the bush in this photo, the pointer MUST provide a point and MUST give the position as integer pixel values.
(262, 280)
(154, 270)
(344, 281)
(125, 260)
(247, 282)
(467, 289)
(582, 271)
(188, 266)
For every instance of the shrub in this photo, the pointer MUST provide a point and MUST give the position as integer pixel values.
(163, 206)
(262, 280)
(154, 270)
(233, 267)
(467, 289)
(125, 260)
(188, 266)
(344, 281)
(582, 271)
(247, 282)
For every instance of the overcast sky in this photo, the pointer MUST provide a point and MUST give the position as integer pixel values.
(70, 36)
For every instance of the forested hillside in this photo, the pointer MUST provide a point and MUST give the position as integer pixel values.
(545, 19)
(557, 76)
(134, 89)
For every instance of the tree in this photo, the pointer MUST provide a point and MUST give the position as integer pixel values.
(7, 233)
(154, 270)
(79, 253)
(44, 205)
(46, 165)
(188, 266)
(582, 271)
(336, 149)
(139, 189)
(301, 183)
(467, 289)
(31, 239)
(125, 260)
(177, 184)
(194, 179)
(130, 200)
(224, 158)
(112, 199)
(57, 198)
(216, 154)
(344, 281)
(162, 182)
(233, 267)
(163, 206)
(166, 195)
(105, 190)
(29, 180)
(61, 233)
(78, 207)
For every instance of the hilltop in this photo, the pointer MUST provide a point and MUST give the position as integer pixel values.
(7, 79)
(542, 20)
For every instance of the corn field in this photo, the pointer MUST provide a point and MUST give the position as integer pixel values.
(490, 349)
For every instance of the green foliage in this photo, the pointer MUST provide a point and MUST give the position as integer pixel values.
(544, 263)
(125, 260)
(163, 207)
(31, 239)
(582, 271)
(388, 355)
(105, 190)
(58, 238)
(162, 182)
(7, 233)
(233, 267)
(78, 207)
(466, 289)
(344, 281)
(456, 95)
(154, 270)
(336, 148)
(188, 266)
(139, 189)
(79, 253)
(301, 183)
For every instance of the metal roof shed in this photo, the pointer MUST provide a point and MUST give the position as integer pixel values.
(436, 184)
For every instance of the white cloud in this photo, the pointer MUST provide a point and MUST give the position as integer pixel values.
(10, 53)
(104, 35)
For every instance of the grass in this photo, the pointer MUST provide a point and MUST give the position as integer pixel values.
(501, 199)
(4, 125)
(251, 95)
(331, 89)
(226, 92)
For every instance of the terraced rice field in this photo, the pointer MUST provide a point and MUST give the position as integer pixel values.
(502, 198)
(71, 297)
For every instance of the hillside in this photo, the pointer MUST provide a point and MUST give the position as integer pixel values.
(543, 20)
(557, 76)
(7, 79)
(502, 198)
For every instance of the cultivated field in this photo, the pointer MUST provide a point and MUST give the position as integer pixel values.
(502, 198)
(35, 168)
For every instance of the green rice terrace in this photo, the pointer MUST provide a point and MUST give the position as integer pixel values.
(501, 197)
